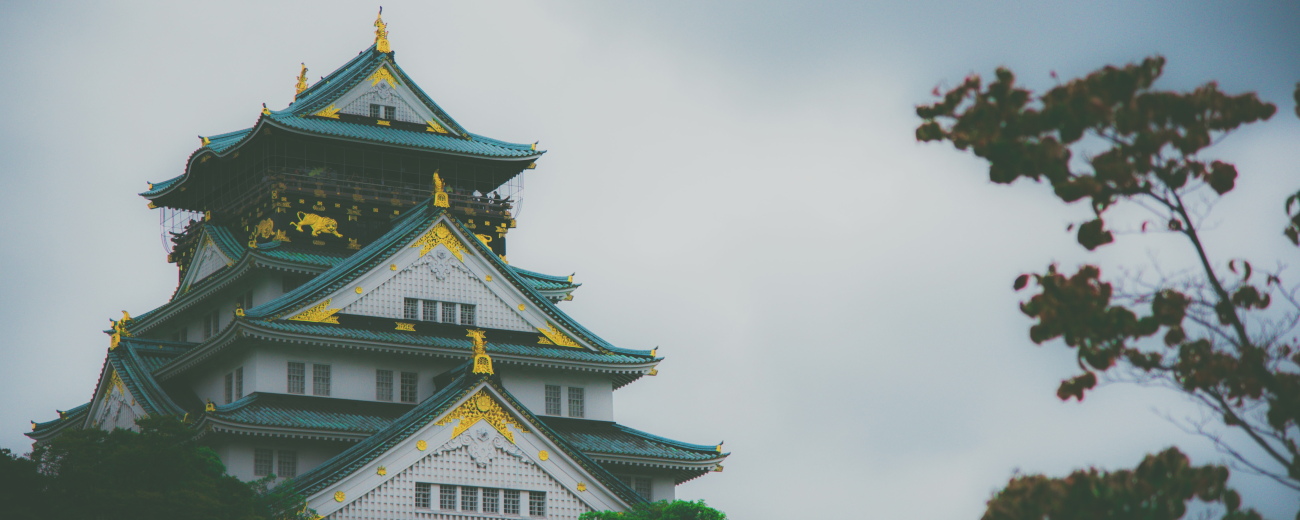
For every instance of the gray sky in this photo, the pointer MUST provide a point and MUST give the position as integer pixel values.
(734, 182)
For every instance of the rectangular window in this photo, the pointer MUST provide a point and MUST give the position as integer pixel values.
(384, 385)
(576, 398)
(423, 495)
(447, 497)
(642, 486)
(430, 310)
(466, 314)
(287, 466)
(552, 399)
(262, 459)
(239, 382)
(211, 325)
(510, 502)
(390, 112)
(411, 309)
(491, 500)
(410, 386)
(374, 111)
(297, 378)
(537, 503)
(448, 313)
(320, 380)
(468, 498)
(230, 387)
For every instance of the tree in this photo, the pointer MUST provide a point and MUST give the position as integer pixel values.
(661, 510)
(159, 473)
(1213, 333)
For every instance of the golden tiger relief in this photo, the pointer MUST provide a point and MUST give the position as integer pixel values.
(317, 223)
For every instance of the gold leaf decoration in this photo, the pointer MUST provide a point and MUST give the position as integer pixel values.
(382, 74)
(482, 407)
(440, 234)
(319, 313)
(553, 336)
(409, 327)
(482, 362)
(331, 112)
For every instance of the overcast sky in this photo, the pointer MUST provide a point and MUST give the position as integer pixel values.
(736, 183)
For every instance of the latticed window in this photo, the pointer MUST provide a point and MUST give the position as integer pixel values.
(430, 310)
(411, 309)
(287, 465)
(447, 498)
(468, 498)
(642, 486)
(423, 495)
(230, 387)
(384, 385)
(491, 500)
(320, 380)
(410, 387)
(466, 314)
(211, 325)
(552, 399)
(448, 313)
(262, 461)
(297, 378)
(536, 503)
(510, 502)
(576, 399)
(239, 382)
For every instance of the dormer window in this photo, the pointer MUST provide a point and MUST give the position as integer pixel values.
(428, 310)
(378, 111)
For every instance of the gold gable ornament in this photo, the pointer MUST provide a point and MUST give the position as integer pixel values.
(554, 336)
(440, 234)
(440, 198)
(319, 313)
(482, 407)
(482, 361)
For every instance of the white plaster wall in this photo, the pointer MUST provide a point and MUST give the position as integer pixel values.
(237, 453)
(441, 277)
(210, 383)
(529, 386)
(663, 488)
(352, 374)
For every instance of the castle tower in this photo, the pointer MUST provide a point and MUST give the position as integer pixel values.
(346, 320)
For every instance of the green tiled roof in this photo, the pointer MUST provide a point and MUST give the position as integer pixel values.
(298, 116)
(74, 414)
(324, 92)
(133, 359)
(544, 282)
(615, 439)
(476, 145)
(376, 445)
(403, 231)
(457, 341)
(310, 412)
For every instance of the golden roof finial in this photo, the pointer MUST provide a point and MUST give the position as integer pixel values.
(482, 362)
(302, 81)
(381, 33)
(440, 198)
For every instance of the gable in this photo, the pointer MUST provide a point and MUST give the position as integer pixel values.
(208, 259)
(115, 407)
(478, 443)
(438, 276)
(383, 87)
(442, 264)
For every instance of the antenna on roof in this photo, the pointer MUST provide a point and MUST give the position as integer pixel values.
(381, 33)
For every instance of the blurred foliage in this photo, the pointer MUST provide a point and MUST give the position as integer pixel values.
(159, 473)
(1215, 334)
(661, 510)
